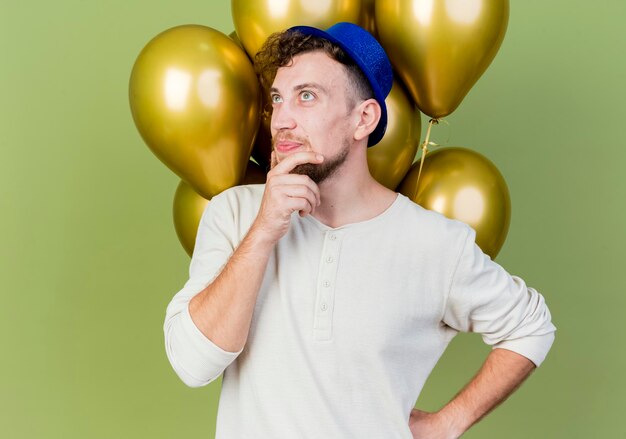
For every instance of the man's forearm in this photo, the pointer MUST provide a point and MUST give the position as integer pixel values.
(502, 373)
(223, 310)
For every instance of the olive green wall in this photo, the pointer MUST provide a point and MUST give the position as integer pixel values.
(89, 258)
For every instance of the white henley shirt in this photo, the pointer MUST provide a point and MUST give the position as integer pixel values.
(349, 321)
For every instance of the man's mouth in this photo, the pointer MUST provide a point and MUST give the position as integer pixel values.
(284, 146)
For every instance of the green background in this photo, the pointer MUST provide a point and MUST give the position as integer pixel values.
(89, 258)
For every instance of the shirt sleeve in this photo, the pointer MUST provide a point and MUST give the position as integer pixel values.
(484, 298)
(195, 358)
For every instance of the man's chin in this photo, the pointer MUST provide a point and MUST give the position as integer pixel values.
(320, 172)
(309, 169)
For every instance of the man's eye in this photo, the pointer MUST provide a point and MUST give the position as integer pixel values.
(276, 99)
(307, 96)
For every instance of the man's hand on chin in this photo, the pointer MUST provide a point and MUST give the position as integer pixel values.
(425, 425)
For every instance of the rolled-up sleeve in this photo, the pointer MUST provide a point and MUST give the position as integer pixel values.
(194, 357)
(486, 299)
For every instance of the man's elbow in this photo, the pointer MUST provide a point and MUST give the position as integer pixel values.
(533, 347)
(196, 360)
(192, 381)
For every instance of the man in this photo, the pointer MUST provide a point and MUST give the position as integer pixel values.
(324, 297)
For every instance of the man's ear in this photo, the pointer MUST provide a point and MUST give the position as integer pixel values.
(369, 114)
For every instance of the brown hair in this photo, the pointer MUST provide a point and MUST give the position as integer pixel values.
(281, 47)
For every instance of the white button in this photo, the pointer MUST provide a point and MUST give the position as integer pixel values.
(333, 237)
(329, 259)
(326, 283)
(324, 307)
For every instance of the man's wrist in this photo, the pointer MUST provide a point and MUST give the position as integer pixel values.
(259, 237)
(432, 425)
(453, 420)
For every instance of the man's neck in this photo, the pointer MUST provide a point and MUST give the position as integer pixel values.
(352, 195)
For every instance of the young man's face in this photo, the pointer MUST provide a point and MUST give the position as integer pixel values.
(312, 111)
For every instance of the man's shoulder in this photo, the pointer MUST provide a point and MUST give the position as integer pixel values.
(241, 198)
(431, 220)
(235, 207)
(243, 192)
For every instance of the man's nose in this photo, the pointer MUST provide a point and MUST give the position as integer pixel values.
(282, 118)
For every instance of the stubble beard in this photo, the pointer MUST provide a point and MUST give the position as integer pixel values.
(320, 172)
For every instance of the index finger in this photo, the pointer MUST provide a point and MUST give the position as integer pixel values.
(295, 159)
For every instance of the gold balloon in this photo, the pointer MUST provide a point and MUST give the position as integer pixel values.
(391, 158)
(367, 19)
(195, 100)
(262, 150)
(464, 185)
(189, 206)
(440, 48)
(256, 20)
(233, 36)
